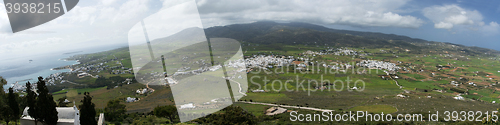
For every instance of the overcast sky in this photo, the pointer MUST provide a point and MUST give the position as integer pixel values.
(95, 23)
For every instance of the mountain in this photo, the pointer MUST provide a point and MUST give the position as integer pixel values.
(295, 33)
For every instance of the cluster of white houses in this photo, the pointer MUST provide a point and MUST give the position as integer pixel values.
(379, 65)
(143, 91)
(262, 61)
(52, 78)
(131, 99)
(344, 51)
(335, 51)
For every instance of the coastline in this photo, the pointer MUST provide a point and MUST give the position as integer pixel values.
(18, 82)
(53, 63)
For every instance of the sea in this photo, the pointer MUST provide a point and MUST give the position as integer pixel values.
(20, 70)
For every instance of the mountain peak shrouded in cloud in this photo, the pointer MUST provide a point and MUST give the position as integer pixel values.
(293, 33)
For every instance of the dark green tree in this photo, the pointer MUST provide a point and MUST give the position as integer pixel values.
(2, 82)
(168, 111)
(31, 100)
(6, 112)
(114, 110)
(45, 105)
(13, 105)
(116, 79)
(61, 103)
(87, 111)
(232, 115)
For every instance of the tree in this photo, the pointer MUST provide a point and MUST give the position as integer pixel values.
(6, 112)
(114, 110)
(61, 103)
(13, 105)
(45, 105)
(168, 111)
(87, 111)
(2, 82)
(31, 100)
(232, 115)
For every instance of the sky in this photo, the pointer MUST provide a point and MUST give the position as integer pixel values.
(97, 23)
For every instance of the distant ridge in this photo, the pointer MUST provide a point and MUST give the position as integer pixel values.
(269, 32)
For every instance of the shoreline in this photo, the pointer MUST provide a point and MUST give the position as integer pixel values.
(44, 73)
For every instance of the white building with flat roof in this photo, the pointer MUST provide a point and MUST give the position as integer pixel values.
(188, 106)
(66, 115)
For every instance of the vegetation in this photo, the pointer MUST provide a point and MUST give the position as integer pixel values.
(45, 105)
(375, 109)
(87, 111)
(31, 99)
(6, 113)
(13, 106)
(114, 111)
(61, 103)
(230, 115)
(168, 111)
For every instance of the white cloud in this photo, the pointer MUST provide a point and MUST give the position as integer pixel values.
(131, 9)
(455, 18)
(82, 14)
(348, 12)
(108, 2)
(106, 13)
(494, 24)
(446, 16)
(19, 47)
(88, 24)
(491, 29)
(443, 25)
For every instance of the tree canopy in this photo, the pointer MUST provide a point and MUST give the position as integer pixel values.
(168, 111)
(231, 115)
(13, 105)
(87, 111)
(114, 110)
(42, 106)
(31, 100)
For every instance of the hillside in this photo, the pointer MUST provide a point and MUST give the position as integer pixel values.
(278, 34)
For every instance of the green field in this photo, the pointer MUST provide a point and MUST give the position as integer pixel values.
(375, 109)
(79, 90)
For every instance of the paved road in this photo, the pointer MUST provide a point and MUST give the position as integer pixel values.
(400, 87)
(71, 82)
(287, 106)
(239, 85)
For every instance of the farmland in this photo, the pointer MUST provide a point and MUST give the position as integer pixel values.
(402, 76)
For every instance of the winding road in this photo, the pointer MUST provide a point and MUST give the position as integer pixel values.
(239, 85)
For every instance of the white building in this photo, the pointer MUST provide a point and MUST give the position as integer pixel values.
(142, 91)
(459, 98)
(258, 90)
(130, 99)
(188, 106)
(67, 116)
(401, 96)
(82, 74)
